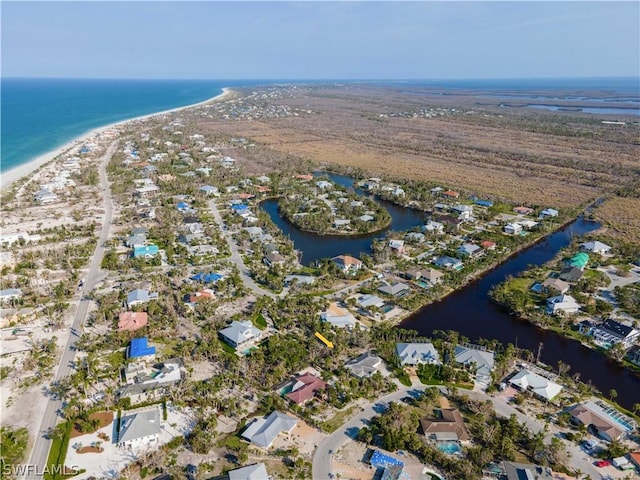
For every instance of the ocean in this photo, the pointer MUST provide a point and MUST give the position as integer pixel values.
(40, 115)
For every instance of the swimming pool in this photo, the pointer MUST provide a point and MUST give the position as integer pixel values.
(450, 448)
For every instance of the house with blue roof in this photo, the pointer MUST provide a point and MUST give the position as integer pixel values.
(207, 277)
(146, 251)
(182, 206)
(484, 203)
(140, 348)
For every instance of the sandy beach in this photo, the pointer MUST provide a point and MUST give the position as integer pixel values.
(9, 177)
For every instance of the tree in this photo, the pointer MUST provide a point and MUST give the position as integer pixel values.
(613, 394)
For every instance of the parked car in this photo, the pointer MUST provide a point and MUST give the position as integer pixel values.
(602, 463)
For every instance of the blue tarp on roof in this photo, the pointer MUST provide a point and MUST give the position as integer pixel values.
(139, 348)
(239, 207)
(379, 459)
(182, 206)
(207, 277)
(484, 203)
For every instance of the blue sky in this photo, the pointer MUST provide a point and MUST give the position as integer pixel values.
(299, 40)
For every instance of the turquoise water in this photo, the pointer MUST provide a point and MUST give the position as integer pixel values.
(39, 115)
(449, 448)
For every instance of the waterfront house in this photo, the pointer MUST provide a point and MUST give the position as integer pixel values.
(273, 259)
(429, 275)
(433, 227)
(140, 429)
(611, 332)
(367, 301)
(139, 348)
(447, 262)
(299, 279)
(365, 365)
(323, 185)
(633, 355)
(240, 334)
(338, 317)
(548, 213)
(347, 263)
(341, 222)
(562, 304)
(366, 218)
(579, 260)
(397, 246)
(44, 197)
(608, 423)
(555, 285)
(139, 297)
(417, 353)
(397, 289)
(540, 386)
(470, 250)
(482, 361)
(263, 431)
(571, 274)
(131, 321)
(488, 245)
(596, 247)
(450, 223)
(512, 228)
(448, 426)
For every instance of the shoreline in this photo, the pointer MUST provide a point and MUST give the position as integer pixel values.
(8, 178)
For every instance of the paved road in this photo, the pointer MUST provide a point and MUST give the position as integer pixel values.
(322, 459)
(41, 447)
(236, 258)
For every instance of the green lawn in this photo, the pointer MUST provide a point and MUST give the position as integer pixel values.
(58, 453)
(338, 419)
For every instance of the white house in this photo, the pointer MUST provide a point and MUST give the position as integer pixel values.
(338, 317)
(512, 228)
(596, 247)
(347, 263)
(548, 212)
(368, 301)
(240, 334)
(482, 360)
(257, 471)
(611, 332)
(10, 294)
(464, 211)
(416, 353)
(433, 227)
(139, 296)
(263, 431)
(44, 197)
(540, 386)
(141, 429)
(562, 304)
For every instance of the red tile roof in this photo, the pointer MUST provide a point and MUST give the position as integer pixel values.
(307, 385)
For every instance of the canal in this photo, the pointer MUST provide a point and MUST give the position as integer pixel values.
(470, 311)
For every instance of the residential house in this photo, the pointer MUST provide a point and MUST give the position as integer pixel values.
(523, 210)
(131, 321)
(133, 241)
(579, 260)
(139, 231)
(254, 232)
(448, 426)
(365, 365)
(527, 471)
(140, 429)
(141, 380)
(433, 227)
(596, 247)
(273, 259)
(347, 263)
(429, 275)
(338, 317)
(611, 332)
(366, 218)
(634, 355)
(11, 238)
(263, 179)
(555, 285)
(263, 431)
(540, 386)
(240, 334)
(341, 222)
(482, 361)
(488, 245)
(562, 304)
(465, 212)
(548, 213)
(450, 194)
(512, 228)
(257, 471)
(147, 191)
(302, 388)
(323, 185)
(139, 348)
(367, 301)
(447, 262)
(470, 250)
(139, 297)
(210, 190)
(44, 197)
(450, 223)
(397, 246)
(397, 289)
(417, 353)
(607, 422)
(10, 294)
(571, 274)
